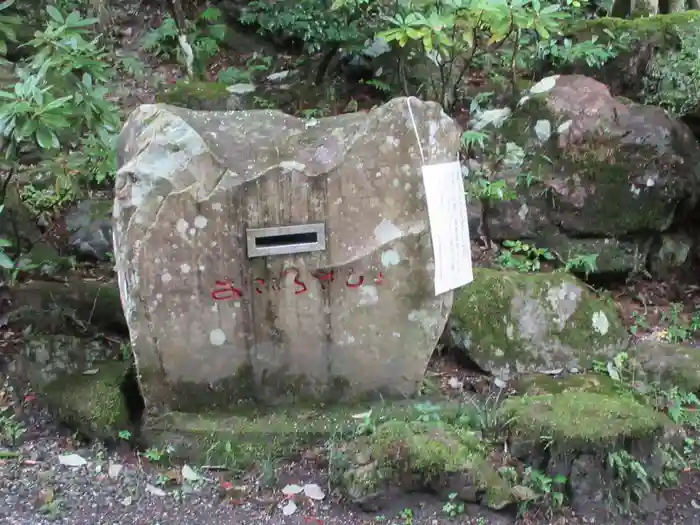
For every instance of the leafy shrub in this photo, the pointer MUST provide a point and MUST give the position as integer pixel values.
(58, 118)
(9, 22)
(674, 82)
(315, 24)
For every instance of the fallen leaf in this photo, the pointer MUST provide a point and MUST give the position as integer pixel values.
(155, 490)
(114, 470)
(455, 383)
(189, 474)
(694, 504)
(314, 492)
(523, 493)
(72, 460)
(291, 490)
(289, 508)
(499, 383)
(91, 372)
(363, 415)
(553, 372)
(127, 501)
(45, 497)
(173, 476)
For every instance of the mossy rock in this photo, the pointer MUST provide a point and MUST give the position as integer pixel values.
(580, 421)
(254, 435)
(418, 454)
(543, 384)
(611, 172)
(614, 256)
(205, 96)
(510, 322)
(671, 364)
(48, 358)
(92, 403)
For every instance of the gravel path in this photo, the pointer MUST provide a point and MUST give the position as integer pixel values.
(117, 487)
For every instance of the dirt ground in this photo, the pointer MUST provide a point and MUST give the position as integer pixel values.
(116, 486)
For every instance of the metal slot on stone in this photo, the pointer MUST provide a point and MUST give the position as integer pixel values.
(284, 240)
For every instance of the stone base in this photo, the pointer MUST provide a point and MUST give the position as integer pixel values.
(247, 438)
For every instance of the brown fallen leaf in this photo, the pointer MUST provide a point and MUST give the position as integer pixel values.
(45, 497)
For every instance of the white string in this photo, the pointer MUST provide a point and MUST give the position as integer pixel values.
(415, 129)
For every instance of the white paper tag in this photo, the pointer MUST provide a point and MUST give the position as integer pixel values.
(449, 225)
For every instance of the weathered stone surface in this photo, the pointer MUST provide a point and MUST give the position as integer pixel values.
(188, 186)
(90, 224)
(510, 322)
(600, 168)
(672, 364)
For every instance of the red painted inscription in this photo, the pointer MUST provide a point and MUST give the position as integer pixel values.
(225, 291)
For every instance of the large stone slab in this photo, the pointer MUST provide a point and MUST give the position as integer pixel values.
(209, 326)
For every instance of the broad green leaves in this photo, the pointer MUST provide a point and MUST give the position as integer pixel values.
(59, 109)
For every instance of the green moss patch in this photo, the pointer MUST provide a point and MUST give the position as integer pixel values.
(582, 420)
(419, 454)
(91, 403)
(541, 384)
(665, 27)
(209, 96)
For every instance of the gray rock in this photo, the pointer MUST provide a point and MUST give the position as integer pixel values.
(210, 326)
(589, 485)
(511, 322)
(90, 224)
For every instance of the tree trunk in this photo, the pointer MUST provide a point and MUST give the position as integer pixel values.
(621, 8)
(642, 8)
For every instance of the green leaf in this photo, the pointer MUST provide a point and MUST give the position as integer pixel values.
(55, 14)
(6, 4)
(5, 262)
(44, 137)
(73, 18)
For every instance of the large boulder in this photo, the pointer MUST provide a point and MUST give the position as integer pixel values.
(605, 174)
(210, 326)
(511, 322)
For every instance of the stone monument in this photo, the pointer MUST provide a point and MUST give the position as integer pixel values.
(269, 258)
